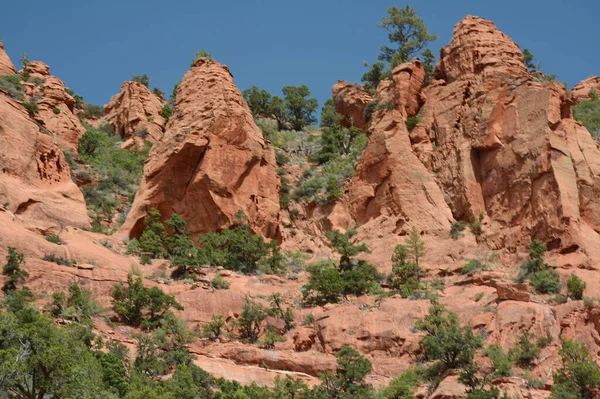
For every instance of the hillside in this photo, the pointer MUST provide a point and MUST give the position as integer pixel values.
(442, 226)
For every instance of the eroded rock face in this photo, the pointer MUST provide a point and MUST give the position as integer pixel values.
(582, 90)
(503, 144)
(35, 182)
(390, 181)
(212, 160)
(478, 47)
(56, 106)
(351, 100)
(134, 109)
(6, 65)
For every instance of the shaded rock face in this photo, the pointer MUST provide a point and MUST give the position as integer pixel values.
(492, 140)
(582, 90)
(134, 109)
(351, 100)
(35, 182)
(6, 65)
(56, 106)
(502, 143)
(211, 162)
(390, 181)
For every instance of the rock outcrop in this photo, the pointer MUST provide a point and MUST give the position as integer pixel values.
(581, 91)
(211, 162)
(390, 181)
(135, 113)
(6, 65)
(56, 106)
(35, 181)
(351, 100)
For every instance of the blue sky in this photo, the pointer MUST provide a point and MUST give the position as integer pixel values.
(95, 46)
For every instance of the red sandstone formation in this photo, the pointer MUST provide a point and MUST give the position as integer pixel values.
(136, 109)
(212, 160)
(582, 90)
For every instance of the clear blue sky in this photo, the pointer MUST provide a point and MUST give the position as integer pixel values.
(96, 45)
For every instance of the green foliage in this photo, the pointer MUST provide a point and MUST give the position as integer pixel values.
(575, 287)
(501, 362)
(530, 61)
(543, 278)
(251, 320)
(579, 376)
(235, 248)
(412, 122)
(308, 320)
(402, 387)
(325, 283)
(482, 262)
(325, 184)
(407, 34)
(259, 101)
(274, 261)
(38, 359)
(276, 300)
(12, 270)
(371, 79)
(78, 306)
(166, 112)
(328, 281)
(300, 108)
(94, 111)
(219, 284)
(158, 92)
(119, 172)
(456, 229)
(32, 107)
(428, 63)
(349, 378)
(588, 113)
(59, 260)
(476, 225)
(446, 340)
(12, 85)
(270, 339)
(525, 351)
(56, 110)
(335, 139)
(201, 54)
(213, 329)
(284, 192)
(405, 275)
(143, 79)
(137, 305)
(369, 109)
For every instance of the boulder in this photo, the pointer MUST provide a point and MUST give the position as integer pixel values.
(581, 91)
(351, 100)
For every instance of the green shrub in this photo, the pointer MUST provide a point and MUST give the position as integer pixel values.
(284, 192)
(12, 85)
(213, 329)
(476, 225)
(281, 158)
(12, 270)
(525, 352)
(143, 79)
(32, 107)
(405, 275)
(251, 320)
(158, 92)
(456, 229)
(166, 112)
(412, 122)
(543, 342)
(588, 113)
(270, 339)
(219, 284)
(56, 110)
(94, 111)
(501, 362)
(446, 340)
(579, 376)
(545, 281)
(137, 305)
(325, 284)
(59, 260)
(54, 239)
(369, 109)
(349, 378)
(308, 319)
(78, 306)
(575, 287)
(201, 54)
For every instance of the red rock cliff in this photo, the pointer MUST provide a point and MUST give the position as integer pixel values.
(6, 65)
(211, 161)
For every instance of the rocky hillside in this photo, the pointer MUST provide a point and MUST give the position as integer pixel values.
(474, 191)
